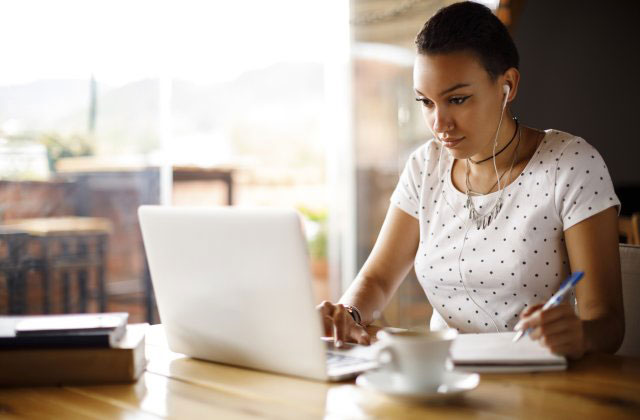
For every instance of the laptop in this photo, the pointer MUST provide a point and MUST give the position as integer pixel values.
(233, 285)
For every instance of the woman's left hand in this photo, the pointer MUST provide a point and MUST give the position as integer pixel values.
(557, 328)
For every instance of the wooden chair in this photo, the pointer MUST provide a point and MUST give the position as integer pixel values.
(12, 270)
(629, 228)
(630, 264)
(81, 244)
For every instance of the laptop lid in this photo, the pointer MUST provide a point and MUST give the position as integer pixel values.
(233, 285)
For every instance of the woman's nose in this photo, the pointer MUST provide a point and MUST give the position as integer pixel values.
(441, 122)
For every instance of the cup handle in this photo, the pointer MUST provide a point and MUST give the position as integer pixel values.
(387, 358)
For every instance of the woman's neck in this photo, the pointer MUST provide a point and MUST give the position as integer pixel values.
(482, 178)
(509, 138)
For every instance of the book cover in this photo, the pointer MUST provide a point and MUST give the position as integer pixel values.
(122, 363)
(72, 330)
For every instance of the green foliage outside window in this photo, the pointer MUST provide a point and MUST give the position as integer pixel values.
(318, 241)
(62, 146)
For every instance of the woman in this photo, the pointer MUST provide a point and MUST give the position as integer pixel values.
(493, 215)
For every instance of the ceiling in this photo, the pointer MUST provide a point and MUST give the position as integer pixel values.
(395, 22)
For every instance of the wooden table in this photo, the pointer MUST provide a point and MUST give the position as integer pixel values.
(599, 387)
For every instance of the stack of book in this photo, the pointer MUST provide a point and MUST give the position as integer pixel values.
(70, 349)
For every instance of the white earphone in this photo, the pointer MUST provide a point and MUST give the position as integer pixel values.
(506, 89)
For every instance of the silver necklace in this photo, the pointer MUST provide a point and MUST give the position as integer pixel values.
(472, 192)
(484, 220)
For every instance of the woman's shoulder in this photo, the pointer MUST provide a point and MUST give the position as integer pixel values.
(561, 140)
(580, 177)
(566, 147)
(423, 164)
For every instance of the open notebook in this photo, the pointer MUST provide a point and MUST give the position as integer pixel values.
(495, 352)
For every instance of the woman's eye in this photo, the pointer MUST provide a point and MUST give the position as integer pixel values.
(458, 100)
(425, 102)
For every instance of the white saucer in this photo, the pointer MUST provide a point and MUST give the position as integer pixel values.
(453, 385)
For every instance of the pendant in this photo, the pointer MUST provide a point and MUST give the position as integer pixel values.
(482, 221)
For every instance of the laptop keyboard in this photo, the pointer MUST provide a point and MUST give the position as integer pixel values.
(340, 360)
(348, 361)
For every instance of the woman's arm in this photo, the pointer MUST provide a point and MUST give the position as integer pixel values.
(388, 264)
(592, 246)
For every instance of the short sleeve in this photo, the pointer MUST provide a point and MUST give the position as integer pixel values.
(406, 195)
(583, 186)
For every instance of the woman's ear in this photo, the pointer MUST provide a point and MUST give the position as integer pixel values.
(511, 77)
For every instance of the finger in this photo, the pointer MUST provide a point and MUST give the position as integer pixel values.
(562, 314)
(540, 317)
(556, 312)
(360, 335)
(326, 308)
(327, 325)
(525, 317)
(560, 326)
(326, 313)
(531, 321)
(566, 330)
(340, 324)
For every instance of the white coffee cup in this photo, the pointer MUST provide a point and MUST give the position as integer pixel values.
(416, 360)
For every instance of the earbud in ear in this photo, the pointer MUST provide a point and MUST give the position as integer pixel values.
(505, 88)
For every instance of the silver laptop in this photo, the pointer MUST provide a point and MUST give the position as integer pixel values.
(233, 285)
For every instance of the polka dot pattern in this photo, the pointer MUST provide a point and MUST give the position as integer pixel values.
(480, 280)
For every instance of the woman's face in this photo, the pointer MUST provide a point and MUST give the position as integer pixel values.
(460, 102)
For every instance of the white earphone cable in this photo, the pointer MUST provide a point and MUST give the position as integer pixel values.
(468, 224)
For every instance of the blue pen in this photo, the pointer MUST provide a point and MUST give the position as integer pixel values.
(557, 297)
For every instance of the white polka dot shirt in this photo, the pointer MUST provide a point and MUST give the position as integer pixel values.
(480, 280)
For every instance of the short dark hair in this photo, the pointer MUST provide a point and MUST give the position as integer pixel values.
(469, 26)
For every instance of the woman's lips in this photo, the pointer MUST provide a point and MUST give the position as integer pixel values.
(450, 143)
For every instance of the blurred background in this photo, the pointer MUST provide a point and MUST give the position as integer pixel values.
(107, 105)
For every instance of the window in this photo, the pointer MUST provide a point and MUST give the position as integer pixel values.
(105, 106)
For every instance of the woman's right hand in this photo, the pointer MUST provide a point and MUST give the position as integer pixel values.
(339, 324)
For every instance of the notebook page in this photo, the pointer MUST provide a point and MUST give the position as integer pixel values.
(499, 349)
